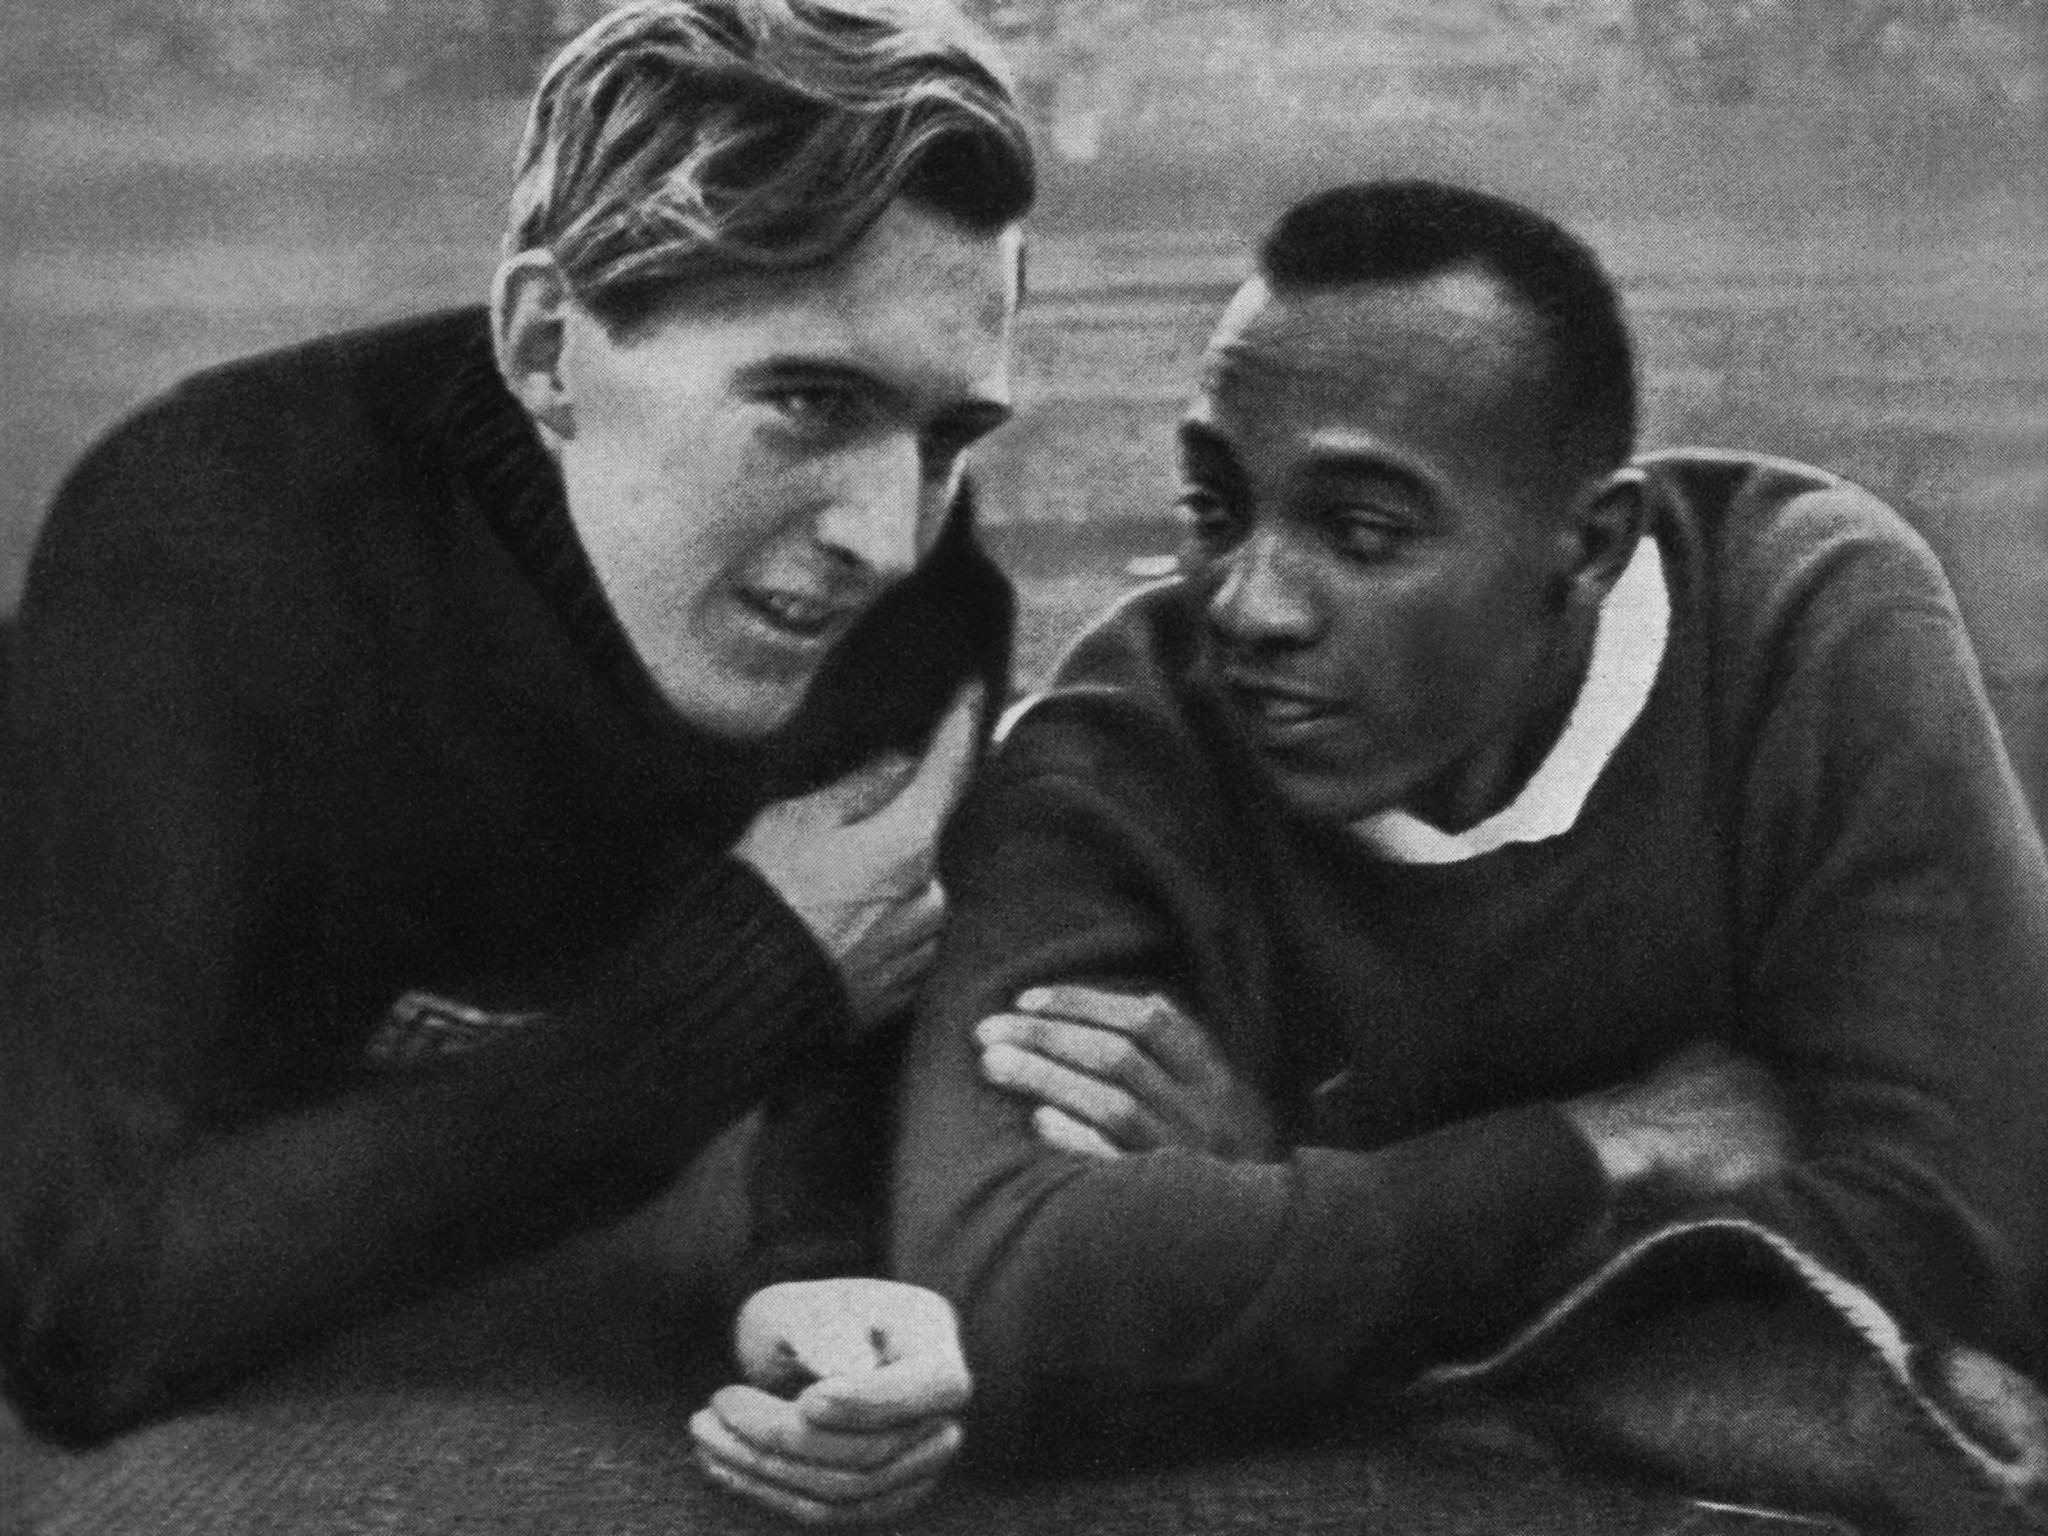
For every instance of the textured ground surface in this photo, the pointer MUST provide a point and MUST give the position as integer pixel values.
(554, 1400)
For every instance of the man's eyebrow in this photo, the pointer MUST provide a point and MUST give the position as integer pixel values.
(1365, 464)
(973, 412)
(793, 367)
(975, 415)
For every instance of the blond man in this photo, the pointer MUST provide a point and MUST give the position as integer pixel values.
(463, 765)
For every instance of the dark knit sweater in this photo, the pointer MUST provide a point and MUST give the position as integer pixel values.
(1810, 845)
(317, 704)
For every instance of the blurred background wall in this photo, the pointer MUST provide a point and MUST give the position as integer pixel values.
(1829, 216)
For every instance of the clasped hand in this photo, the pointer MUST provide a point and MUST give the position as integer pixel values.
(855, 861)
(1112, 1073)
(1705, 1123)
(851, 1405)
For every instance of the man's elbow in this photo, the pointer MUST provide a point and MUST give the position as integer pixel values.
(76, 1404)
(79, 1354)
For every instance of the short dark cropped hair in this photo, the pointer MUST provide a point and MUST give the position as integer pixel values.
(682, 139)
(1395, 231)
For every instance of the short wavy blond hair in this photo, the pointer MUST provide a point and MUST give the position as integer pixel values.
(680, 139)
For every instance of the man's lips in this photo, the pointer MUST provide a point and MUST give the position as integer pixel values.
(1276, 709)
(802, 616)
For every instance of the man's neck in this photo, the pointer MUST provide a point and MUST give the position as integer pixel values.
(1537, 789)
(1488, 781)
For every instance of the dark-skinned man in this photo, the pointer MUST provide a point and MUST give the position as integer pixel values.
(1505, 907)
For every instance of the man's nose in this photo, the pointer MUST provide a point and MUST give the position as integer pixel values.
(1263, 598)
(875, 510)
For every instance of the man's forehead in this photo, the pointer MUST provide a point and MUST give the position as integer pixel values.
(934, 250)
(908, 257)
(1455, 330)
(921, 293)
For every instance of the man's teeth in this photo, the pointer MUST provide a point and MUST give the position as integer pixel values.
(1281, 710)
(796, 612)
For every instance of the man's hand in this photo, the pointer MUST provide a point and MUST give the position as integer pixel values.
(854, 860)
(1707, 1121)
(851, 1411)
(1113, 1073)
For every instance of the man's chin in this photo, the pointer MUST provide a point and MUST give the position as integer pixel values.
(742, 711)
(1335, 798)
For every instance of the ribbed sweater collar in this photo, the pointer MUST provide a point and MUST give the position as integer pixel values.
(500, 458)
(497, 455)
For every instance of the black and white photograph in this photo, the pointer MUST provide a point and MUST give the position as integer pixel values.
(1027, 766)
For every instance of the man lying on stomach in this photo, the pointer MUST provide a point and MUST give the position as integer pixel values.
(1490, 849)
(466, 764)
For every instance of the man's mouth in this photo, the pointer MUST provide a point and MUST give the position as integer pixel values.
(1275, 709)
(801, 616)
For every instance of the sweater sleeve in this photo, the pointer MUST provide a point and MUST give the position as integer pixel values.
(1893, 901)
(1172, 1282)
(169, 1218)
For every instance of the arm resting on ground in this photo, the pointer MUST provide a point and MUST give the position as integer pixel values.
(1172, 1272)
(194, 1173)
(1894, 905)
(148, 1256)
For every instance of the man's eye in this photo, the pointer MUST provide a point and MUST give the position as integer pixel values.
(1211, 521)
(817, 408)
(1367, 533)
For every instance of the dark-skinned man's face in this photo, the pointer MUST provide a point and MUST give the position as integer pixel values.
(1378, 527)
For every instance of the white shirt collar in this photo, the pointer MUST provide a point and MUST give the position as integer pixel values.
(1628, 649)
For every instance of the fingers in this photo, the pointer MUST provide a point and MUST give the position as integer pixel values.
(1123, 1011)
(1133, 1070)
(1169, 1036)
(1113, 1111)
(776, 1427)
(921, 919)
(922, 1375)
(857, 852)
(761, 1447)
(922, 805)
(783, 827)
(864, 1440)
(1708, 1119)
(787, 1336)
(878, 1353)
(806, 1510)
(901, 926)
(867, 788)
(1103, 1054)
(1057, 1128)
(886, 966)
(889, 989)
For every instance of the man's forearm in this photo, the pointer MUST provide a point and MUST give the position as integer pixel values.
(1241, 1281)
(177, 1261)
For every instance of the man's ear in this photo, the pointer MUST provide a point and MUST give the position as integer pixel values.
(530, 305)
(1603, 527)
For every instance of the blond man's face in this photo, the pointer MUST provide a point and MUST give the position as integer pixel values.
(754, 467)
